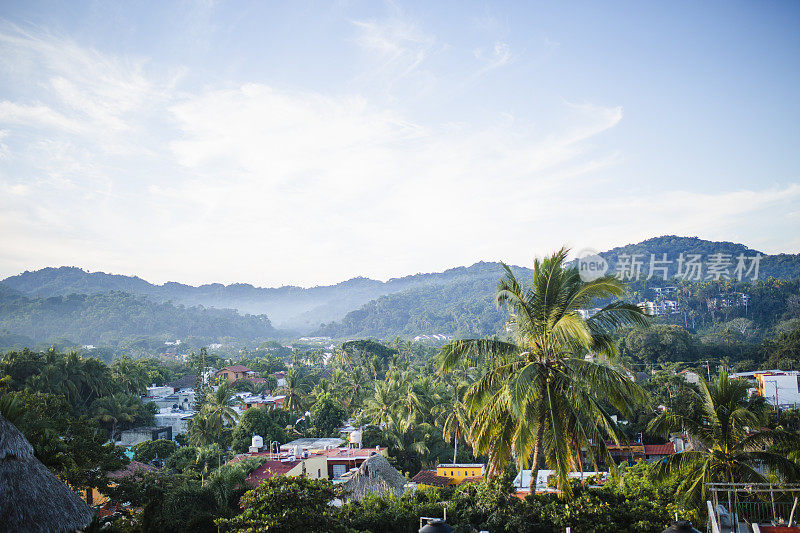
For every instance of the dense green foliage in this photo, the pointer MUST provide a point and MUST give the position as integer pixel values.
(631, 503)
(108, 319)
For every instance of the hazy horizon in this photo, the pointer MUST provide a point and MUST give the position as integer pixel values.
(310, 143)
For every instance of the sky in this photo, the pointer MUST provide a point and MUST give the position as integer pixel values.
(306, 143)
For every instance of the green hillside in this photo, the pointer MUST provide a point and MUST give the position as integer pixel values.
(113, 318)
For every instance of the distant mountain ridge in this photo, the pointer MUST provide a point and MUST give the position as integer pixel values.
(288, 307)
(456, 300)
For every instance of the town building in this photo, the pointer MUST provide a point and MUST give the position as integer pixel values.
(312, 467)
(342, 460)
(450, 474)
(237, 372)
(132, 437)
(325, 454)
(280, 378)
(159, 391)
(460, 472)
(637, 450)
(778, 387)
(262, 401)
(690, 376)
(177, 419)
(522, 483)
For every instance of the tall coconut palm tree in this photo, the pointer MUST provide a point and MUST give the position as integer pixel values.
(295, 389)
(381, 406)
(202, 430)
(456, 418)
(129, 375)
(410, 440)
(539, 393)
(731, 448)
(355, 383)
(218, 407)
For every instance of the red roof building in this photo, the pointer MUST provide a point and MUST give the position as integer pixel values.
(313, 467)
(648, 452)
(271, 469)
(341, 460)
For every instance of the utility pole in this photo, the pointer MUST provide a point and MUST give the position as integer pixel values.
(776, 394)
(708, 370)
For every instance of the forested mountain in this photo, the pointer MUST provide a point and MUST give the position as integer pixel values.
(465, 307)
(288, 307)
(457, 301)
(115, 317)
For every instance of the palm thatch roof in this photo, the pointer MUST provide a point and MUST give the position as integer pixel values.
(32, 499)
(374, 475)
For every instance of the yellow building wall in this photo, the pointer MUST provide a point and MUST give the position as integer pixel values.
(459, 474)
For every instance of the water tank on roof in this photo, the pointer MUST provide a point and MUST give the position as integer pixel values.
(257, 442)
(356, 437)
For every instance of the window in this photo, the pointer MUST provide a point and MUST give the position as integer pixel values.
(319, 472)
(338, 471)
(459, 473)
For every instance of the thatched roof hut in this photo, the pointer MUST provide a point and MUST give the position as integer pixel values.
(374, 475)
(32, 499)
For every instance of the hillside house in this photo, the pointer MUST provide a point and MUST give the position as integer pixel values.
(235, 372)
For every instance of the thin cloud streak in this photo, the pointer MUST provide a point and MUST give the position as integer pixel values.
(112, 165)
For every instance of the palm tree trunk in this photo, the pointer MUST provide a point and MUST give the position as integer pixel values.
(535, 460)
(455, 447)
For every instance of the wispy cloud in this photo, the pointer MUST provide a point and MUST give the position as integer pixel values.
(500, 55)
(111, 166)
(397, 45)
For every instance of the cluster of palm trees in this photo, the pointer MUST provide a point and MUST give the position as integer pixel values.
(418, 414)
(80, 380)
(89, 386)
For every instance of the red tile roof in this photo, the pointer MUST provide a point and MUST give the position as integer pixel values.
(235, 368)
(429, 477)
(131, 469)
(659, 449)
(271, 469)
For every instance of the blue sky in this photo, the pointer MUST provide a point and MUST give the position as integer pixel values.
(309, 142)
